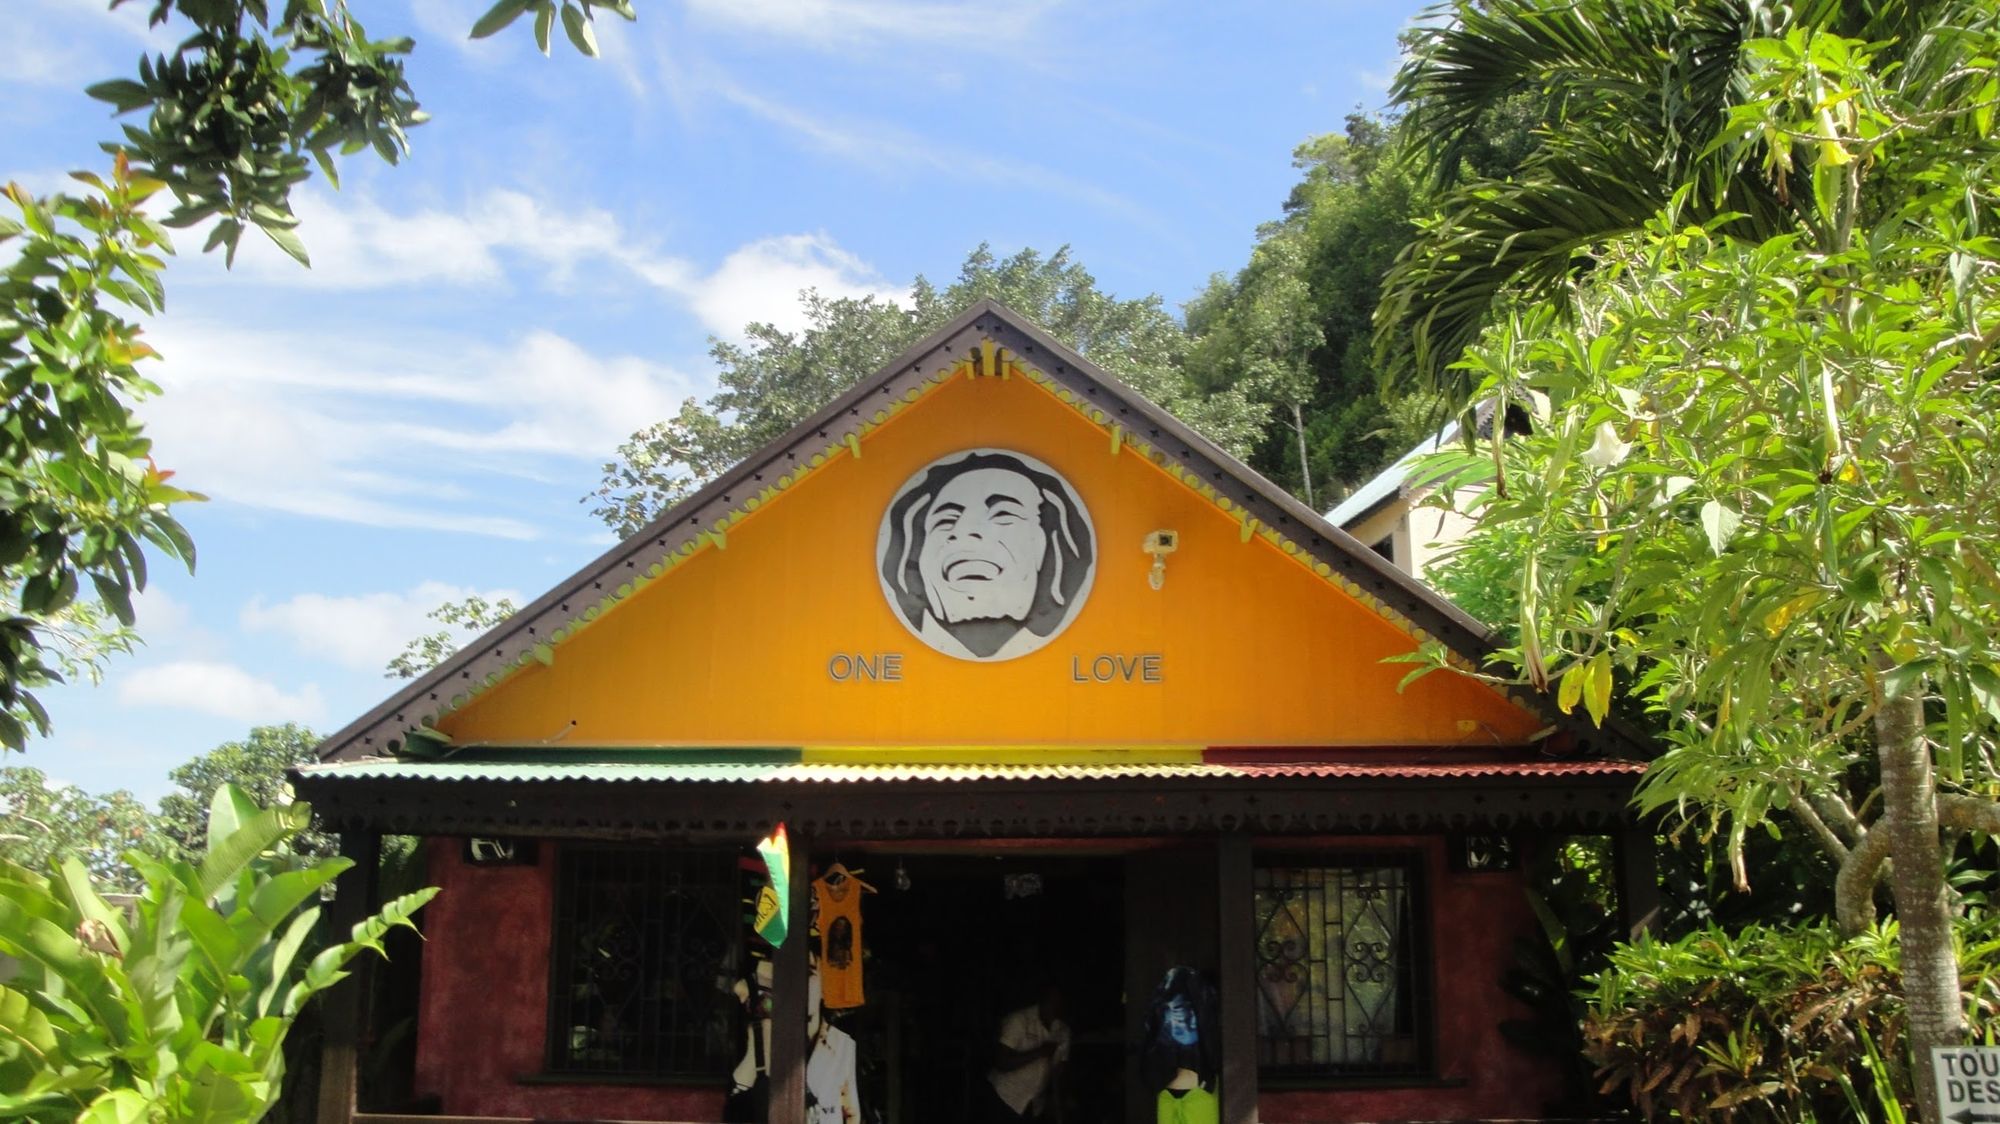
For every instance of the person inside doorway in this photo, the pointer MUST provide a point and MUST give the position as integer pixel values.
(1033, 1045)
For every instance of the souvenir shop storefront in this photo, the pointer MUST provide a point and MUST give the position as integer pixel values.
(1099, 801)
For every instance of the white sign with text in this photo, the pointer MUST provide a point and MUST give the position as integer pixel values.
(1968, 1083)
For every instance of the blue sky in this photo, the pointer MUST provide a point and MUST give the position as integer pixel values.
(416, 417)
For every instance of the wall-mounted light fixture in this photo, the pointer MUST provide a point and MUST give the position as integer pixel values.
(1159, 544)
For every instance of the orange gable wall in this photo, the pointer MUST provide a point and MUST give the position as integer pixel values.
(732, 647)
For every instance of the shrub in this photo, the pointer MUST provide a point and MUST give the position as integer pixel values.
(1767, 1023)
(175, 1012)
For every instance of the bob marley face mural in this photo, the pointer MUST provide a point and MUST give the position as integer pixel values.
(986, 554)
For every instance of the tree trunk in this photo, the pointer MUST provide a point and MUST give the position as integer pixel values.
(1923, 911)
(1305, 460)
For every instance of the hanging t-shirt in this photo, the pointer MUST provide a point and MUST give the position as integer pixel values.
(1188, 1106)
(830, 1095)
(839, 907)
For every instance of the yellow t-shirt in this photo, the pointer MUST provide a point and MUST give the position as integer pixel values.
(839, 943)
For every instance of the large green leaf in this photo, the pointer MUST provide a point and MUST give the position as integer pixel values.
(90, 979)
(73, 887)
(498, 17)
(217, 952)
(231, 852)
(277, 898)
(229, 808)
(219, 1085)
(27, 1042)
(326, 969)
(273, 964)
(119, 1106)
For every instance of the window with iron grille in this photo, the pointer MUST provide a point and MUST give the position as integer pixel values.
(1340, 990)
(641, 938)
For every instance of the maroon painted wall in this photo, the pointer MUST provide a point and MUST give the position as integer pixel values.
(1475, 919)
(484, 1006)
(482, 1022)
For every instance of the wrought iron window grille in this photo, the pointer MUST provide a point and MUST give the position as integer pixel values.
(1342, 971)
(645, 942)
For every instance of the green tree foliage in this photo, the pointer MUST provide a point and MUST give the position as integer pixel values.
(236, 110)
(1291, 329)
(177, 1011)
(235, 117)
(1764, 498)
(776, 379)
(256, 767)
(577, 19)
(1631, 102)
(465, 620)
(41, 824)
(79, 494)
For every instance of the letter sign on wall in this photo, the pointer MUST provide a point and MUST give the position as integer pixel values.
(986, 554)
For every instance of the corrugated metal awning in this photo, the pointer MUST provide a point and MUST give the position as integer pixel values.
(745, 767)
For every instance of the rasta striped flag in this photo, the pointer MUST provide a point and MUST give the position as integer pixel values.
(774, 911)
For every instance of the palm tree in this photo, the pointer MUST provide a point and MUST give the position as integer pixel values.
(1634, 100)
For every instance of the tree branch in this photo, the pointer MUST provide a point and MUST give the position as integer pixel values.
(1854, 885)
(1968, 813)
(1833, 808)
(1803, 809)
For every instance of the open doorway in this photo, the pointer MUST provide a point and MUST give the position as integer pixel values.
(971, 939)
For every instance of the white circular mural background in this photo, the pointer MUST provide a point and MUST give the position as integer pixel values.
(986, 554)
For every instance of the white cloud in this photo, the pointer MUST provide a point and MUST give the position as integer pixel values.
(357, 244)
(222, 689)
(389, 433)
(450, 21)
(72, 43)
(396, 428)
(880, 145)
(748, 283)
(362, 631)
(834, 25)
(160, 614)
(1377, 79)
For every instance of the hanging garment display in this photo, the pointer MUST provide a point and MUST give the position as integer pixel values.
(1188, 1106)
(1180, 1034)
(830, 1092)
(837, 898)
(750, 1082)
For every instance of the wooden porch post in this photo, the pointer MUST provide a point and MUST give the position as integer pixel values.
(1238, 984)
(343, 1005)
(1638, 881)
(790, 976)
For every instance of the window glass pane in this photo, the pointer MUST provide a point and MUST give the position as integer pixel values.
(642, 936)
(1335, 974)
